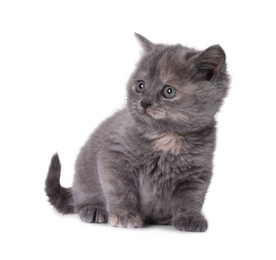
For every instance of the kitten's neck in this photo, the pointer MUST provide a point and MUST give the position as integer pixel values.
(175, 130)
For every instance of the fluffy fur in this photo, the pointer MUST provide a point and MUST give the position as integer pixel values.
(151, 162)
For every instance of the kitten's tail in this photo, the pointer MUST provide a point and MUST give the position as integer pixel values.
(61, 198)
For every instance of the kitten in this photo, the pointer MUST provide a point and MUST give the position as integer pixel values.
(151, 162)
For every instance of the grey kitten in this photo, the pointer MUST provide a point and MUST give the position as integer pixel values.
(151, 162)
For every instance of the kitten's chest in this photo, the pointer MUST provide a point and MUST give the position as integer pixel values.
(157, 178)
(161, 161)
(159, 172)
(166, 142)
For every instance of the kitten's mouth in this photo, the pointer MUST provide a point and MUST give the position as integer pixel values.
(156, 113)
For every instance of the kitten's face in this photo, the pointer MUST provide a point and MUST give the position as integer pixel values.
(175, 88)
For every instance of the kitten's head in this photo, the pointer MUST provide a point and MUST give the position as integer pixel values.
(175, 88)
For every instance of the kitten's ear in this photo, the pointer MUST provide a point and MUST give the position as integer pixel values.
(212, 61)
(145, 43)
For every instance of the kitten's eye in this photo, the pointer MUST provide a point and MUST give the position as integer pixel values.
(169, 92)
(140, 87)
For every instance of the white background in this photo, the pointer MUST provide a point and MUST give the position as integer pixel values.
(63, 69)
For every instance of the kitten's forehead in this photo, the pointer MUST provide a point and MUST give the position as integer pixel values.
(164, 62)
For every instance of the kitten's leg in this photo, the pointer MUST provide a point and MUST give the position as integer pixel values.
(188, 198)
(120, 185)
(89, 199)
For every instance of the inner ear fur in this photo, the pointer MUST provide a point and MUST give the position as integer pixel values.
(211, 61)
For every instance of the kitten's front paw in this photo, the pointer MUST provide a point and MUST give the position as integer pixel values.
(93, 214)
(191, 221)
(126, 219)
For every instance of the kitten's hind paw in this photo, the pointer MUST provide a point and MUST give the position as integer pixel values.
(126, 219)
(93, 214)
(191, 221)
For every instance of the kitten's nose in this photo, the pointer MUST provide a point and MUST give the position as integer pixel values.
(145, 104)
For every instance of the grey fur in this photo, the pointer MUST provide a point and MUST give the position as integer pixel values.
(151, 162)
(61, 198)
